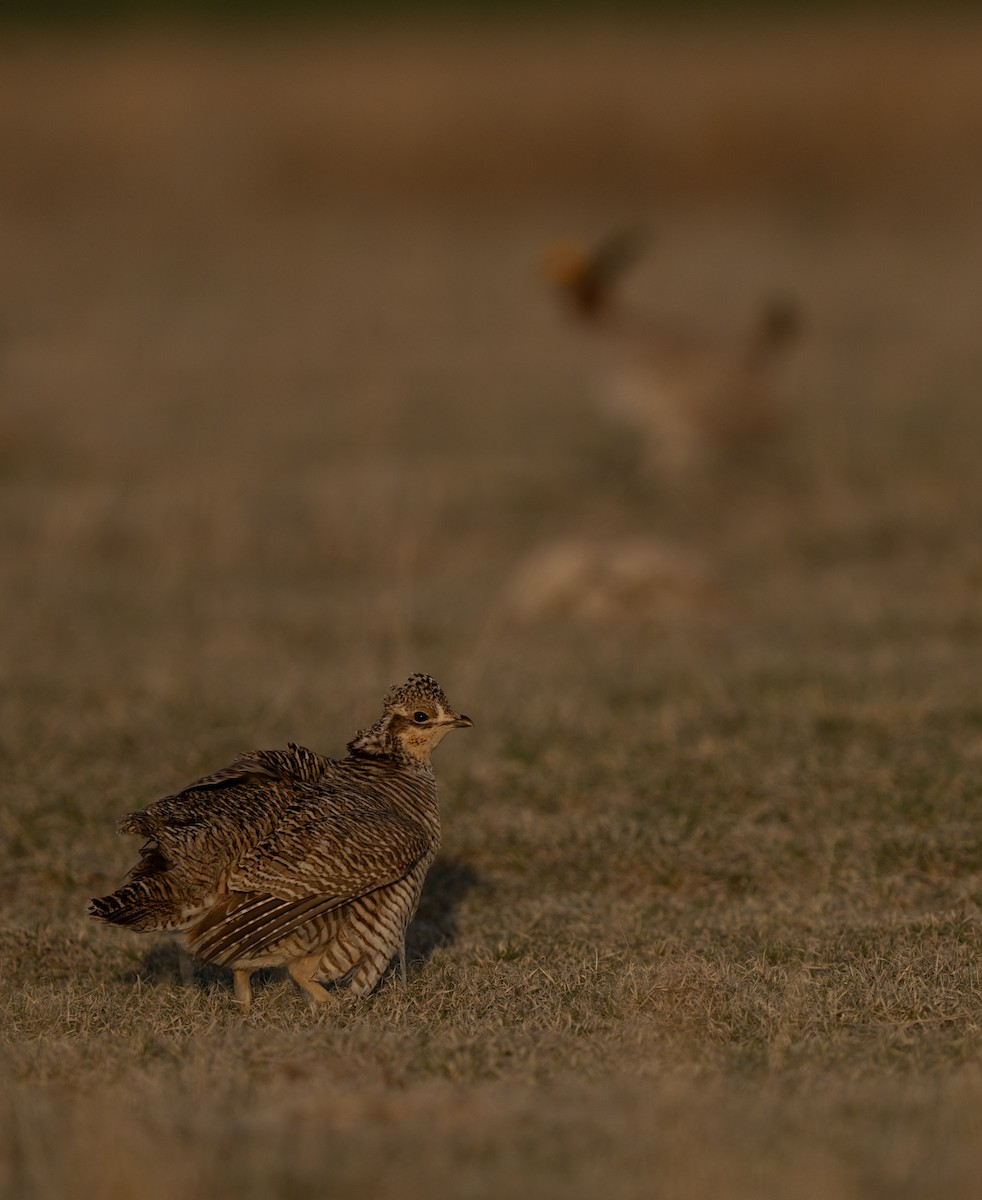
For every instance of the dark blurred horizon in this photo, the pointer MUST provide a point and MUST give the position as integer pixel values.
(71, 13)
(620, 115)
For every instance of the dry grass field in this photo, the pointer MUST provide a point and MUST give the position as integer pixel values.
(286, 411)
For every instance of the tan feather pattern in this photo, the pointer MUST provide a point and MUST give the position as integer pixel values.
(291, 858)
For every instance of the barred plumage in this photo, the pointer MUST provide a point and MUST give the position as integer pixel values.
(286, 857)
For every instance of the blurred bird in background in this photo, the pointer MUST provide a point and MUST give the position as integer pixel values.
(692, 399)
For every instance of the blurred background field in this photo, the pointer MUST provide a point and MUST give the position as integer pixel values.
(287, 410)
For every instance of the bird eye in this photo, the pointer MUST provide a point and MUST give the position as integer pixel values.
(420, 718)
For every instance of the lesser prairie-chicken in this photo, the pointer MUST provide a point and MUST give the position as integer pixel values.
(287, 857)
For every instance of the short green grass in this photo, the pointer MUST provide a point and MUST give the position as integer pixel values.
(706, 919)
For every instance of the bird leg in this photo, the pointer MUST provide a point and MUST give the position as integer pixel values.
(302, 972)
(243, 992)
(402, 963)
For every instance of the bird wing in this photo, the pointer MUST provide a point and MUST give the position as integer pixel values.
(346, 851)
(302, 871)
(195, 804)
(296, 762)
(616, 252)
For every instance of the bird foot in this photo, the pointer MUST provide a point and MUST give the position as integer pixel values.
(302, 972)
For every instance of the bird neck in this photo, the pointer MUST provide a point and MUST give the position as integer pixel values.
(379, 744)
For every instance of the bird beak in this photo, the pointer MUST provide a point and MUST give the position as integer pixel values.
(462, 722)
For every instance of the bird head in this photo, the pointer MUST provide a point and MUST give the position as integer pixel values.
(416, 716)
(569, 266)
(587, 275)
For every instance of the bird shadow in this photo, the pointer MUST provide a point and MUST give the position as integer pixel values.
(165, 962)
(435, 925)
